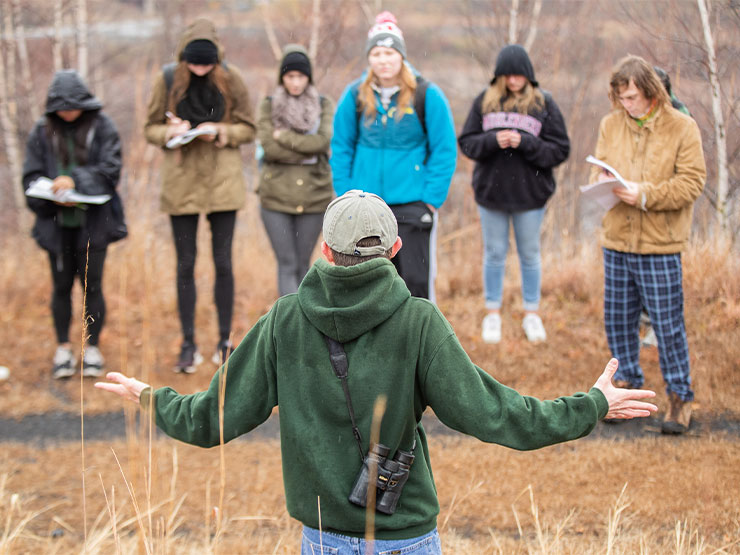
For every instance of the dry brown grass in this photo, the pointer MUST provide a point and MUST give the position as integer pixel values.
(585, 497)
(681, 495)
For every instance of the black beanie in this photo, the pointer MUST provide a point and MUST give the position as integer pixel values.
(514, 60)
(296, 61)
(200, 52)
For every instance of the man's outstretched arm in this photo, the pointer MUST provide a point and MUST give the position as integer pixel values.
(128, 388)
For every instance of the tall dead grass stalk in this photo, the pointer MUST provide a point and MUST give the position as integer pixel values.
(83, 340)
(372, 478)
(615, 515)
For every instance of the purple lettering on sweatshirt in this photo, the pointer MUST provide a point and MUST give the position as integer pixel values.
(512, 120)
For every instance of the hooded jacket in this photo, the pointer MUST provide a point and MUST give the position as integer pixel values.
(666, 159)
(394, 158)
(98, 175)
(398, 346)
(201, 177)
(295, 177)
(514, 179)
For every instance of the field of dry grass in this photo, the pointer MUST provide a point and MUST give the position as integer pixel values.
(653, 494)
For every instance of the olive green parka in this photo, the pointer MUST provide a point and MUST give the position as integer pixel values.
(287, 184)
(199, 176)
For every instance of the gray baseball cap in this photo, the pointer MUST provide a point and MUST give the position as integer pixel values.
(357, 215)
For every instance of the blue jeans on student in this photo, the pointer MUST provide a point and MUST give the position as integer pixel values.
(654, 281)
(338, 544)
(495, 228)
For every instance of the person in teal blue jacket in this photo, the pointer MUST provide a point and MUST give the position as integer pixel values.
(394, 136)
(398, 347)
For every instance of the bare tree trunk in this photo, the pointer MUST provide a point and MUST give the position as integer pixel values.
(513, 13)
(10, 71)
(9, 124)
(148, 7)
(56, 42)
(313, 44)
(81, 32)
(28, 87)
(270, 30)
(536, 9)
(719, 122)
(369, 15)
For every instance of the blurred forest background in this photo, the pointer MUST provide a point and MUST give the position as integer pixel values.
(683, 493)
(120, 45)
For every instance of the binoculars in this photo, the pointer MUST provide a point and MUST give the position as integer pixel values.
(391, 477)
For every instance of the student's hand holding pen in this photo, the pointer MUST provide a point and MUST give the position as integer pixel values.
(175, 126)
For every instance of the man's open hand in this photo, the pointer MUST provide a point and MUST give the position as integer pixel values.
(623, 403)
(128, 388)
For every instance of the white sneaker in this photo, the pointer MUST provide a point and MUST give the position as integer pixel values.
(64, 363)
(93, 364)
(492, 328)
(649, 339)
(533, 327)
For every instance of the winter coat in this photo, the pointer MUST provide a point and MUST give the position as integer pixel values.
(295, 177)
(398, 346)
(665, 158)
(199, 176)
(104, 223)
(391, 157)
(514, 179)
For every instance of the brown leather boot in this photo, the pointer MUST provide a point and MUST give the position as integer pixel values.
(678, 417)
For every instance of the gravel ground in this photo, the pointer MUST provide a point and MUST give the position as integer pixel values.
(56, 427)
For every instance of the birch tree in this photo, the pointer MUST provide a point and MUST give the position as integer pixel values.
(9, 121)
(313, 43)
(25, 63)
(719, 121)
(81, 32)
(56, 41)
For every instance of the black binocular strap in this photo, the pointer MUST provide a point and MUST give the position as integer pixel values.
(339, 363)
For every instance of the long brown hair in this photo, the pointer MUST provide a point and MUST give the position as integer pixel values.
(219, 76)
(366, 95)
(636, 69)
(498, 97)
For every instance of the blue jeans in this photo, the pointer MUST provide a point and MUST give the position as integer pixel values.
(337, 544)
(495, 228)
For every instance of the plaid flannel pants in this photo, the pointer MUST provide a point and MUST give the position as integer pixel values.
(654, 281)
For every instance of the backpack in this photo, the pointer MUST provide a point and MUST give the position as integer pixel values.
(420, 95)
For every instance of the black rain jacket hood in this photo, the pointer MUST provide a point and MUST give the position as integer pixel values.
(514, 60)
(69, 92)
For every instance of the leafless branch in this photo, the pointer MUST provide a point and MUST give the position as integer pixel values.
(270, 30)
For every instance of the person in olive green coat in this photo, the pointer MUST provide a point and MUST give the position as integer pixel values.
(294, 129)
(201, 93)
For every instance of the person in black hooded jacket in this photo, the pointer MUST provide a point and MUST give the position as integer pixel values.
(516, 135)
(77, 147)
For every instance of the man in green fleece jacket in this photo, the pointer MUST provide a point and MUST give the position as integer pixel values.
(397, 346)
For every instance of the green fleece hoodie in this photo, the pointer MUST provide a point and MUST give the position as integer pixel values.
(397, 345)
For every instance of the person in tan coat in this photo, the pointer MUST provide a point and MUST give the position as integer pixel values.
(294, 129)
(658, 150)
(202, 174)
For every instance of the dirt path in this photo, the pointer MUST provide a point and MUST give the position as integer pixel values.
(60, 427)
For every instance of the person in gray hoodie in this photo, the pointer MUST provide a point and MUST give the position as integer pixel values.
(77, 147)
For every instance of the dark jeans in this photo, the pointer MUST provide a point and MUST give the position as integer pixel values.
(184, 232)
(67, 265)
(293, 237)
(416, 262)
